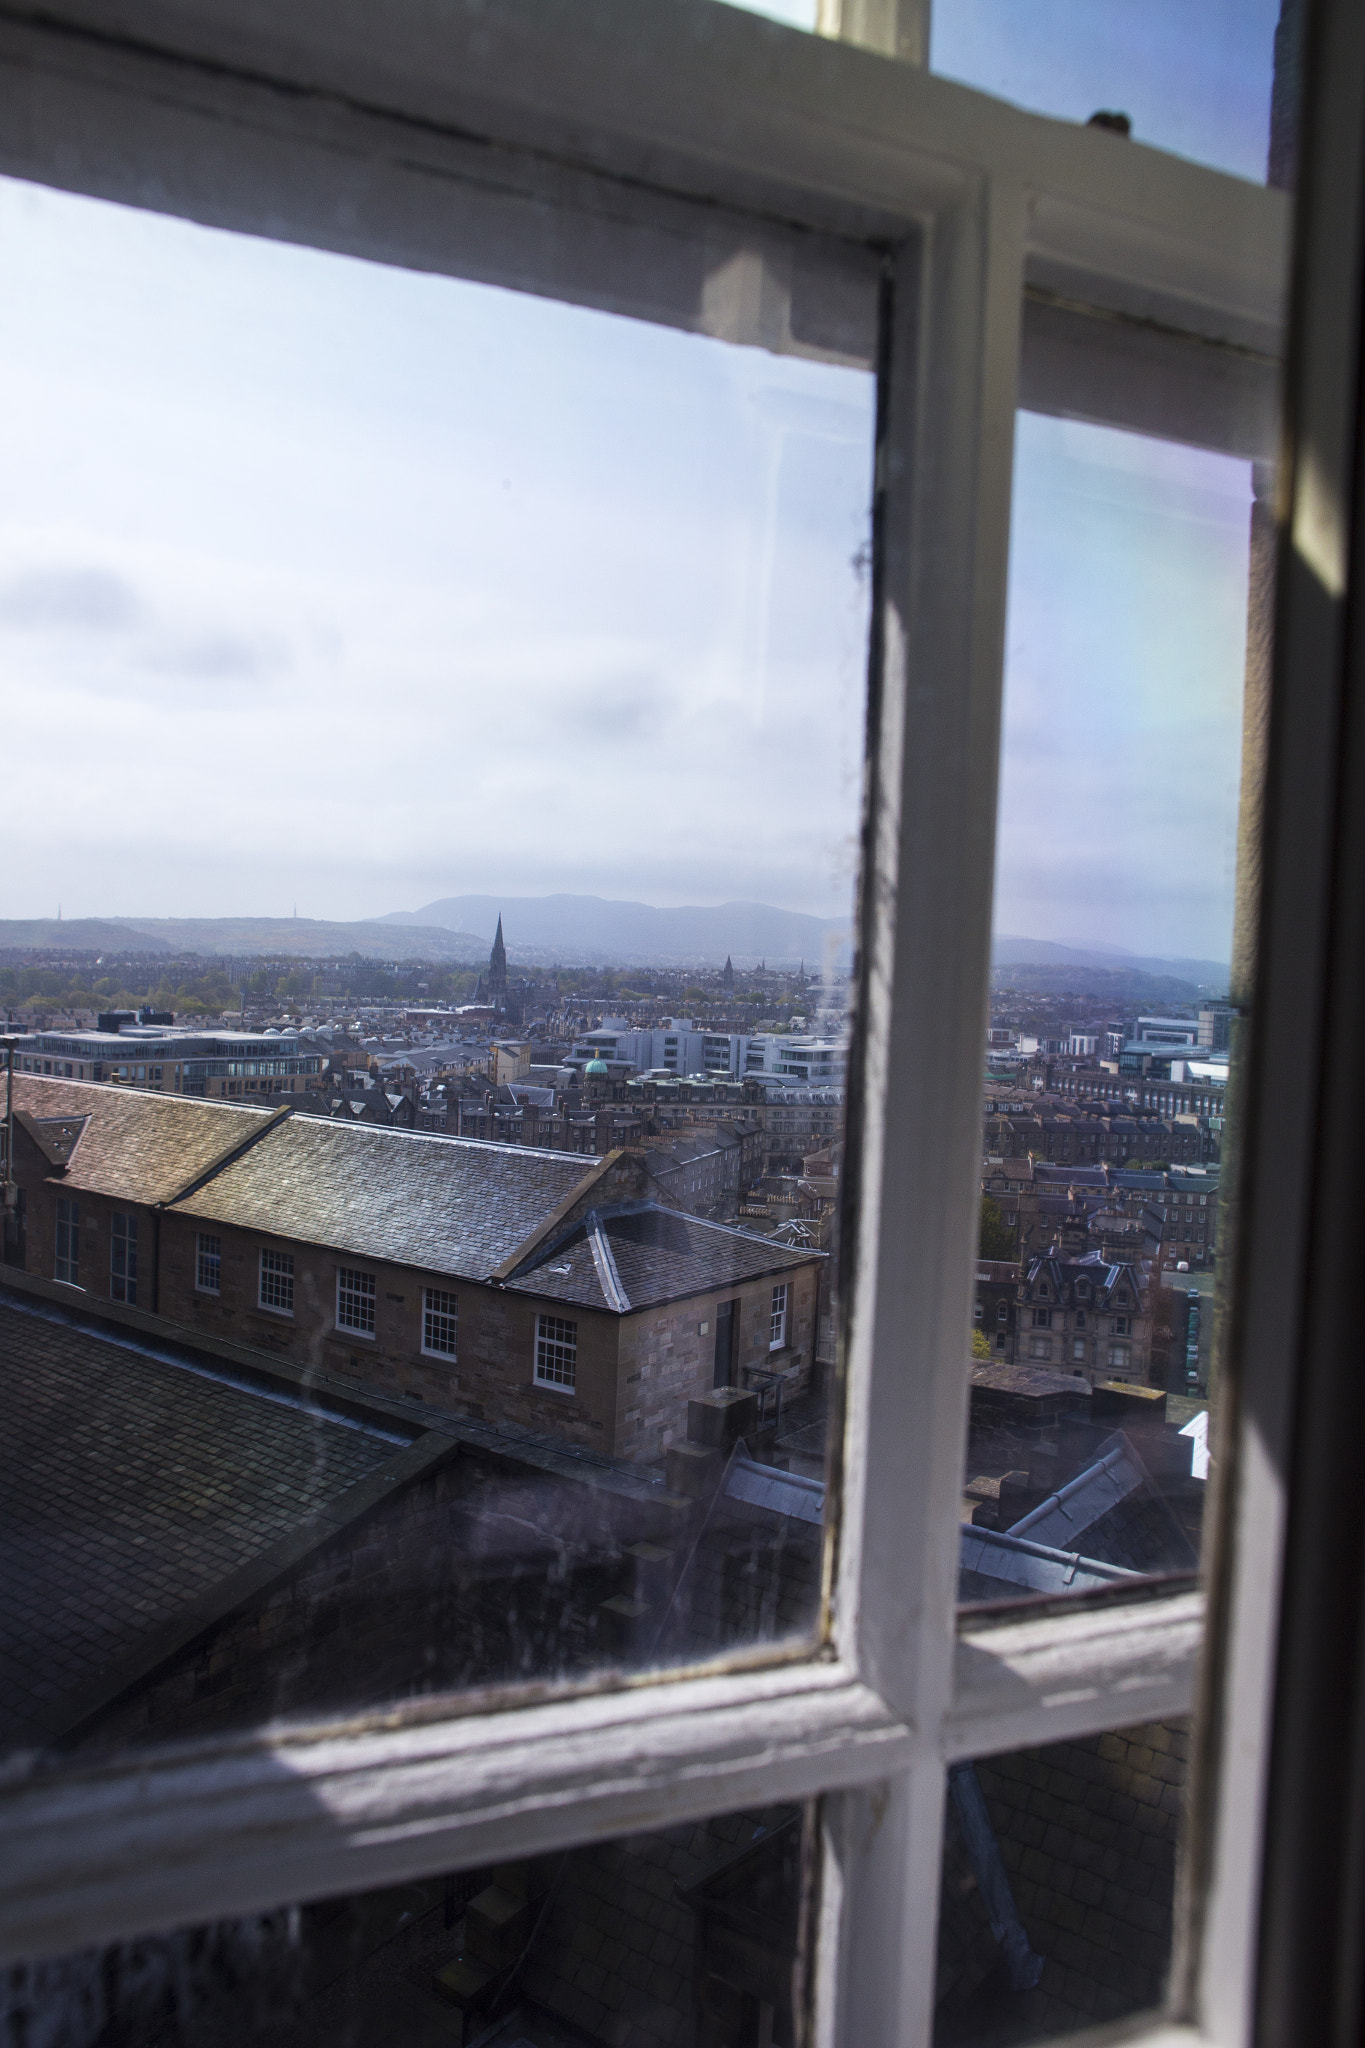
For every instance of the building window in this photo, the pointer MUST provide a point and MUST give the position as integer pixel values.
(438, 1322)
(1118, 1357)
(68, 1241)
(979, 1311)
(1042, 1319)
(277, 1282)
(1078, 1347)
(1040, 1347)
(1123, 1326)
(1080, 1319)
(123, 1259)
(777, 1320)
(208, 1263)
(556, 1353)
(355, 1301)
(1002, 1311)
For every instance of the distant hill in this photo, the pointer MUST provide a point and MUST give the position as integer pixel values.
(75, 935)
(1206, 976)
(314, 938)
(595, 928)
(1122, 988)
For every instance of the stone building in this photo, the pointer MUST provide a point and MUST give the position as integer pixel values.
(1086, 1316)
(512, 1285)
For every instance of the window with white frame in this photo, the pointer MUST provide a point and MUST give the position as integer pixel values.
(123, 1257)
(440, 1322)
(777, 1318)
(208, 1262)
(556, 1353)
(355, 1301)
(67, 1262)
(1092, 242)
(277, 1282)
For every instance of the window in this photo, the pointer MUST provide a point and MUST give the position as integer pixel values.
(1080, 1319)
(123, 1258)
(208, 1263)
(1090, 221)
(439, 1312)
(1042, 1319)
(68, 1258)
(277, 1282)
(1040, 1347)
(1002, 1311)
(355, 1301)
(1078, 1347)
(1118, 1357)
(777, 1318)
(556, 1353)
(1123, 1326)
(978, 1310)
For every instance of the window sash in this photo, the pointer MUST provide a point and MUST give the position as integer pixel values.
(355, 1301)
(1022, 261)
(208, 1263)
(440, 1323)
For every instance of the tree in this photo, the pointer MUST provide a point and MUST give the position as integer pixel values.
(980, 1348)
(997, 1240)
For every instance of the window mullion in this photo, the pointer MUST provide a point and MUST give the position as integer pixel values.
(945, 460)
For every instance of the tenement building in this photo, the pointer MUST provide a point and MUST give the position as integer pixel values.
(552, 1293)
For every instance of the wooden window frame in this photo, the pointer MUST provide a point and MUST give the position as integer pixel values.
(554, 146)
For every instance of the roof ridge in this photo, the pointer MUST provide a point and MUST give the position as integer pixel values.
(234, 1152)
(550, 1223)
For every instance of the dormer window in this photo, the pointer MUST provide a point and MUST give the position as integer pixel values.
(1042, 1290)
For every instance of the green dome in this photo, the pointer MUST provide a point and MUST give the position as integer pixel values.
(595, 1067)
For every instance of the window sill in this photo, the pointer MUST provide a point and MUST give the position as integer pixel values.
(168, 1838)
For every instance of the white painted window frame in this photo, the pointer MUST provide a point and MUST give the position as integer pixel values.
(557, 1345)
(588, 149)
(430, 1316)
(350, 1296)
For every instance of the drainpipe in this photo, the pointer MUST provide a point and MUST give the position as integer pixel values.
(157, 1211)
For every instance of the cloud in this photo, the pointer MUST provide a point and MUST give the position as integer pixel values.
(84, 599)
(215, 657)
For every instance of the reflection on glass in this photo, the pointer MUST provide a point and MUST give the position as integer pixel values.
(429, 1284)
(1057, 1887)
(1192, 79)
(1108, 1055)
(694, 1936)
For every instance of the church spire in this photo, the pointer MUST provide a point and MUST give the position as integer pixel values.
(497, 968)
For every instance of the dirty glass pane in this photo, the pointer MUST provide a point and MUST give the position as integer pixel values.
(429, 994)
(1196, 80)
(1058, 1885)
(1111, 1034)
(693, 1938)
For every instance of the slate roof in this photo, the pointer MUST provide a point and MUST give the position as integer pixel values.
(658, 1254)
(448, 1205)
(135, 1144)
(1114, 1511)
(133, 1487)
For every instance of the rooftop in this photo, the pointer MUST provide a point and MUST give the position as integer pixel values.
(640, 1256)
(136, 1488)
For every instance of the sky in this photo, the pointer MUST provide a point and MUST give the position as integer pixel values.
(338, 586)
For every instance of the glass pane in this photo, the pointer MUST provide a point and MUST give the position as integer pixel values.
(1108, 1061)
(443, 1264)
(1196, 80)
(693, 1936)
(1055, 1910)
